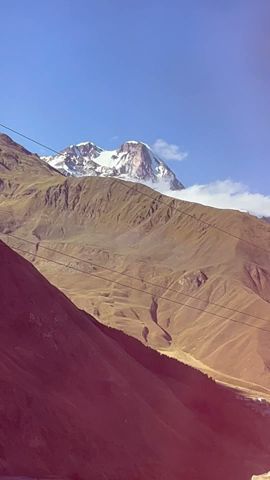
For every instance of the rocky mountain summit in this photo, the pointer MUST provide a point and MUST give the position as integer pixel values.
(134, 161)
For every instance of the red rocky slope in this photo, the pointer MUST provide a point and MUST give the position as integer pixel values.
(81, 400)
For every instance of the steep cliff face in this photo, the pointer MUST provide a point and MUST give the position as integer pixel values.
(133, 161)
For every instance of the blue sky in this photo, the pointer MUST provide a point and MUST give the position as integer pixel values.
(193, 73)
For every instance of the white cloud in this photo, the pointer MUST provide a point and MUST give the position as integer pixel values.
(168, 151)
(225, 194)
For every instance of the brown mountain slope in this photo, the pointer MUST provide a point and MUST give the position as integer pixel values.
(116, 226)
(16, 159)
(80, 400)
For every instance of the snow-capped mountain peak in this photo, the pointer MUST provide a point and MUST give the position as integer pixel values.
(133, 161)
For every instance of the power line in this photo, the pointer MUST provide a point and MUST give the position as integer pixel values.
(29, 138)
(73, 257)
(203, 222)
(208, 224)
(158, 199)
(142, 291)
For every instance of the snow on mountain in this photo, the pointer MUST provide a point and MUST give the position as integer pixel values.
(133, 161)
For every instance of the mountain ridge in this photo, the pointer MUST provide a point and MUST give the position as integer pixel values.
(129, 230)
(134, 161)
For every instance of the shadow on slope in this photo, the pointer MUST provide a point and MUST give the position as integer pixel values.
(80, 400)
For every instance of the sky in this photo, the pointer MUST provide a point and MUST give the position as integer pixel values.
(189, 77)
